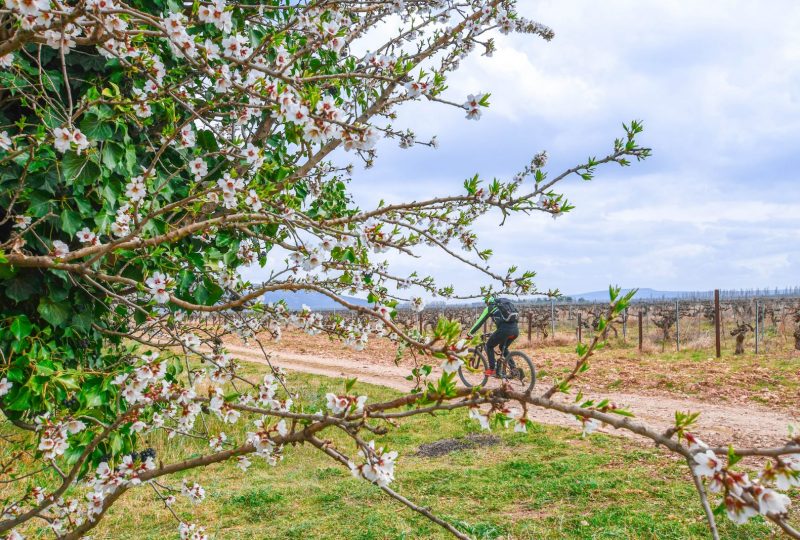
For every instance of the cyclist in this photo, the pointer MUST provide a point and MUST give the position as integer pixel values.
(504, 314)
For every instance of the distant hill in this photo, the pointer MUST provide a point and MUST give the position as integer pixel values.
(643, 294)
(313, 299)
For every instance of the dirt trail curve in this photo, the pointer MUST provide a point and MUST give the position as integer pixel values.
(719, 423)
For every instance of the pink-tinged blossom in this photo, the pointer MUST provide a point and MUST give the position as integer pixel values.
(194, 492)
(476, 414)
(142, 109)
(136, 190)
(62, 39)
(281, 57)
(60, 249)
(158, 284)
(186, 137)
(253, 201)
(243, 463)
(521, 425)
(190, 531)
(62, 139)
(22, 222)
(191, 341)
(5, 140)
(199, 168)
(473, 106)
(590, 425)
(229, 184)
(378, 467)
(5, 386)
(383, 311)
(695, 443)
(214, 13)
(230, 415)
(86, 236)
(416, 88)
(217, 443)
(770, 501)
(452, 364)
(782, 476)
(337, 404)
(708, 464)
(28, 7)
(95, 505)
(75, 426)
(738, 511)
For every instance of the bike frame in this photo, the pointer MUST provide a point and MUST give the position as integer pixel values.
(500, 359)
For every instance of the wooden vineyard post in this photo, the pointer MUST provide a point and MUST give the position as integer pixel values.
(716, 324)
(757, 328)
(530, 323)
(640, 331)
(420, 323)
(580, 329)
(625, 327)
(553, 318)
(677, 327)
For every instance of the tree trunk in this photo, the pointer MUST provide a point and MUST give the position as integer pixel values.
(797, 339)
(740, 343)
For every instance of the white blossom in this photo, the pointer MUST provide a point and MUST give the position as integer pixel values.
(60, 249)
(5, 386)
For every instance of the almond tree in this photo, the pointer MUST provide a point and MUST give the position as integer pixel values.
(149, 150)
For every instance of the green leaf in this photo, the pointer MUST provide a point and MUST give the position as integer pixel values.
(83, 320)
(116, 443)
(21, 401)
(111, 155)
(21, 327)
(71, 222)
(79, 169)
(19, 289)
(54, 313)
(45, 368)
(96, 129)
(733, 457)
(207, 140)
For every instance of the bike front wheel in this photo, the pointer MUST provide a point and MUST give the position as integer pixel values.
(519, 373)
(473, 371)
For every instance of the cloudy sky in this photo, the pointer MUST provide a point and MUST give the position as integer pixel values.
(717, 84)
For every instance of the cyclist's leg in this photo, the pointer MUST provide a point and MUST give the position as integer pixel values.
(509, 341)
(494, 340)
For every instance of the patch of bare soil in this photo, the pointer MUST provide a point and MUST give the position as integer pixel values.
(446, 446)
(733, 421)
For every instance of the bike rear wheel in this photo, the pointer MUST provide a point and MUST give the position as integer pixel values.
(473, 372)
(522, 376)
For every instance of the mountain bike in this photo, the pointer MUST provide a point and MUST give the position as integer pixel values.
(513, 368)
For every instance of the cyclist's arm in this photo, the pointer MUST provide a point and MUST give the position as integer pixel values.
(480, 321)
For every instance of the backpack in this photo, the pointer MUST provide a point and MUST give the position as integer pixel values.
(505, 311)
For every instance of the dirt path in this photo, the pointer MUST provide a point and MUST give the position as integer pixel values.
(718, 424)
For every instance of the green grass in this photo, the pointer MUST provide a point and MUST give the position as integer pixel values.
(546, 484)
